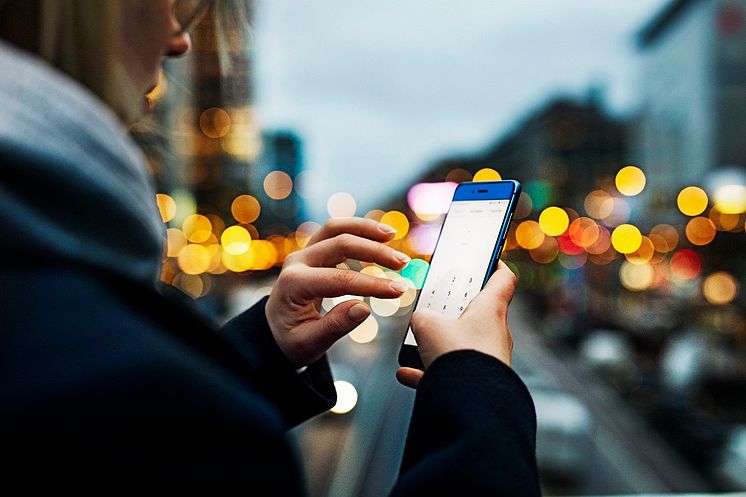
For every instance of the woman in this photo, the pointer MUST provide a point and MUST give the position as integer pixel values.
(107, 383)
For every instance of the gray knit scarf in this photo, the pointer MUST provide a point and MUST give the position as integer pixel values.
(74, 188)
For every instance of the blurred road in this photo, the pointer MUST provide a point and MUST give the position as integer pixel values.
(589, 441)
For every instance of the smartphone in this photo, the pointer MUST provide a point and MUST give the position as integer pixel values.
(466, 253)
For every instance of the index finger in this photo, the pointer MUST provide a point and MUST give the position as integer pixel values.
(366, 228)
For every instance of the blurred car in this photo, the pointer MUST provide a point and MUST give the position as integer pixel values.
(564, 430)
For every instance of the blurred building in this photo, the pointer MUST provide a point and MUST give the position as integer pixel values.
(562, 150)
(281, 158)
(693, 89)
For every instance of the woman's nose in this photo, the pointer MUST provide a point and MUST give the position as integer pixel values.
(179, 44)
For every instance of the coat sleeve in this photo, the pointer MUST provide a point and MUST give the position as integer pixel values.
(298, 396)
(473, 431)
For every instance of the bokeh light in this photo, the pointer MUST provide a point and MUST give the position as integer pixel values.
(304, 233)
(429, 201)
(458, 175)
(636, 277)
(720, 288)
(416, 271)
(665, 238)
(546, 252)
(529, 235)
(487, 174)
(194, 259)
(341, 204)
(643, 254)
(553, 221)
(197, 228)
(686, 264)
(598, 204)
(692, 201)
(602, 243)
(626, 238)
(235, 240)
(346, 397)
(278, 185)
(700, 230)
(215, 122)
(176, 242)
(630, 180)
(398, 221)
(730, 199)
(245, 209)
(166, 206)
(583, 232)
(384, 307)
(366, 331)
(524, 207)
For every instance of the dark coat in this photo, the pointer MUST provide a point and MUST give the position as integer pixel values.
(107, 384)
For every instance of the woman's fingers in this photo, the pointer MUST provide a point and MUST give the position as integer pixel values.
(323, 282)
(332, 251)
(366, 228)
(409, 377)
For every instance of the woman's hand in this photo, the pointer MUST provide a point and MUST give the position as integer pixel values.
(483, 326)
(310, 275)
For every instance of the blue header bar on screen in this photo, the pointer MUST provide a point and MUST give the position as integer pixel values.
(486, 190)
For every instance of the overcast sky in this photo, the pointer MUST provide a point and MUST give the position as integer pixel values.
(378, 90)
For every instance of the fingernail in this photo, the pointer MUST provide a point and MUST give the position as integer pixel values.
(401, 257)
(399, 286)
(386, 228)
(358, 312)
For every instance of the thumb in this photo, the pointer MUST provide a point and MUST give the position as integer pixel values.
(496, 294)
(339, 321)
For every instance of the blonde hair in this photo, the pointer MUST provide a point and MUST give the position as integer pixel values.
(82, 38)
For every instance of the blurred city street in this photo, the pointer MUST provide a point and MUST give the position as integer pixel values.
(588, 442)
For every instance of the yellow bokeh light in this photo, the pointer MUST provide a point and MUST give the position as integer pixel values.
(374, 271)
(398, 221)
(730, 199)
(238, 263)
(166, 206)
(176, 242)
(528, 234)
(643, 254)
(553, 221)
(487, 174)
(346, 397)
(366, 331)
(626, 238)
(636, 277)
(194, 259)
(215, 122)
(197, 228)
(341, 204)
(278, 185)
(235, 240)
(692, 201)
(700, 230)
(630, 180)
(720, 288)
(245, 209)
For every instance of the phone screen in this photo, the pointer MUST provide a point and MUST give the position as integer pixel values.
(459, 265)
